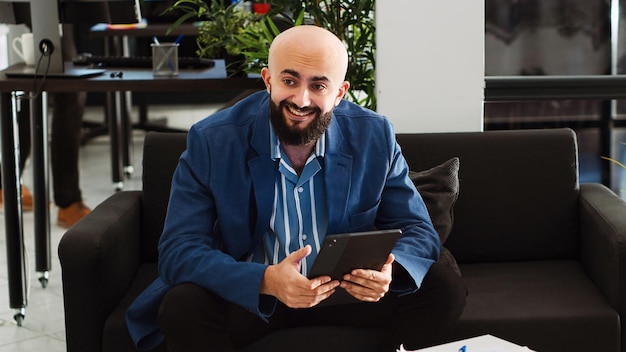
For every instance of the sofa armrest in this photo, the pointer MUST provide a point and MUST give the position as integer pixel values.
(99, 257)
(603, 241)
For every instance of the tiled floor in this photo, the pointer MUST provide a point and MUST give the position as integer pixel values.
(43, 327)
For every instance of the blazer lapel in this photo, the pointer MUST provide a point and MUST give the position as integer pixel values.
(262, 169)
(338, 176)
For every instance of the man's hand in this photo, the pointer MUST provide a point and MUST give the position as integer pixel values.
(285, 282)
(369, 285)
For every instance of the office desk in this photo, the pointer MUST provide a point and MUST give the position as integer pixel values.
(213, 79)
(116, 44)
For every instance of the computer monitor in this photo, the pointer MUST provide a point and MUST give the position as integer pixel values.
(100, 11)
(46, 36)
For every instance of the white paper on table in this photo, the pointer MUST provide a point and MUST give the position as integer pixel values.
(484, 343)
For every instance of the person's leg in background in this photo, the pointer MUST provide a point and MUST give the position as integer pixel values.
(65, 145)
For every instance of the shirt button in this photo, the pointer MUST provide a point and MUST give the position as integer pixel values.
(304, 236)
(300, 189)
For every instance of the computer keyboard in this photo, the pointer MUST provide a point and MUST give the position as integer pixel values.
(138, 61)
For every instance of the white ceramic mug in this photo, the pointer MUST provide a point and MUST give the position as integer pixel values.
(25, 49)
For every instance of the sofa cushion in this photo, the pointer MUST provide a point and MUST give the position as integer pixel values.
(545, 305)
(439, 187)
(519, 197)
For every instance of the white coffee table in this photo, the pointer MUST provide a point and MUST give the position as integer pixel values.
(484, 343)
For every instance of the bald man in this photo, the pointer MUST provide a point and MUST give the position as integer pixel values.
(255, 193)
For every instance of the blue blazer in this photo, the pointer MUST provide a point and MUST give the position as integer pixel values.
(222, 197)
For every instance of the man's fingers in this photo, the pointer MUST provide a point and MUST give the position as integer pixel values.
(363, 293)
(295, 258)
(390, 259)
(301, 253)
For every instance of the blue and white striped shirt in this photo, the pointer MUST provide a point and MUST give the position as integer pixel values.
(300, 214)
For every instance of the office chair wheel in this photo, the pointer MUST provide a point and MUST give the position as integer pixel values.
(19, 316)
(43, 279)
(128, 171)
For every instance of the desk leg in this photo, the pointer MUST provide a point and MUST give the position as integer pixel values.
(41, 176)
(12, 193)
(114, 111)
(126, 126)
(116, 107)
(126, 131)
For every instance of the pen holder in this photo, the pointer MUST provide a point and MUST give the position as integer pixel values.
(165, 59)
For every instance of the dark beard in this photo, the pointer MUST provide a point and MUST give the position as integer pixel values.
(296, 135)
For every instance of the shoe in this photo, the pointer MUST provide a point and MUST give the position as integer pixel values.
(27, 199)
(71, 214)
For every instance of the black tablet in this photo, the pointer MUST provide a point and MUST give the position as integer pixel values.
(358, 250)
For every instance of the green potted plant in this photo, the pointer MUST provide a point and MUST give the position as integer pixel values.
(220, 26)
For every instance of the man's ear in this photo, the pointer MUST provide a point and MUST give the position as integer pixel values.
(265, 75)
(343, 89)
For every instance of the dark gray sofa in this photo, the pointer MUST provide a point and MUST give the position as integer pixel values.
(543, 257)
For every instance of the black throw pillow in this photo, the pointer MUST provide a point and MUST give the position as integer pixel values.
(439, 187)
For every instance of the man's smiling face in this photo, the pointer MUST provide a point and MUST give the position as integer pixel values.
(305, 79)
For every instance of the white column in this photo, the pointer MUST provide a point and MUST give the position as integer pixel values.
(430, 64)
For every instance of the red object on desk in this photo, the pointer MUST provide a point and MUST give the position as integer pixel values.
(261, 8)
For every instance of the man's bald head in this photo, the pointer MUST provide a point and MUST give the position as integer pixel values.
(311, 44)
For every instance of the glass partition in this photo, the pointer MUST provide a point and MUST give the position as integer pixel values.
(561, 38)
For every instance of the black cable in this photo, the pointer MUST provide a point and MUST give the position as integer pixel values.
(37, 90)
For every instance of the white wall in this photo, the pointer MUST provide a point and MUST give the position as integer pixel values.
(430, 64)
